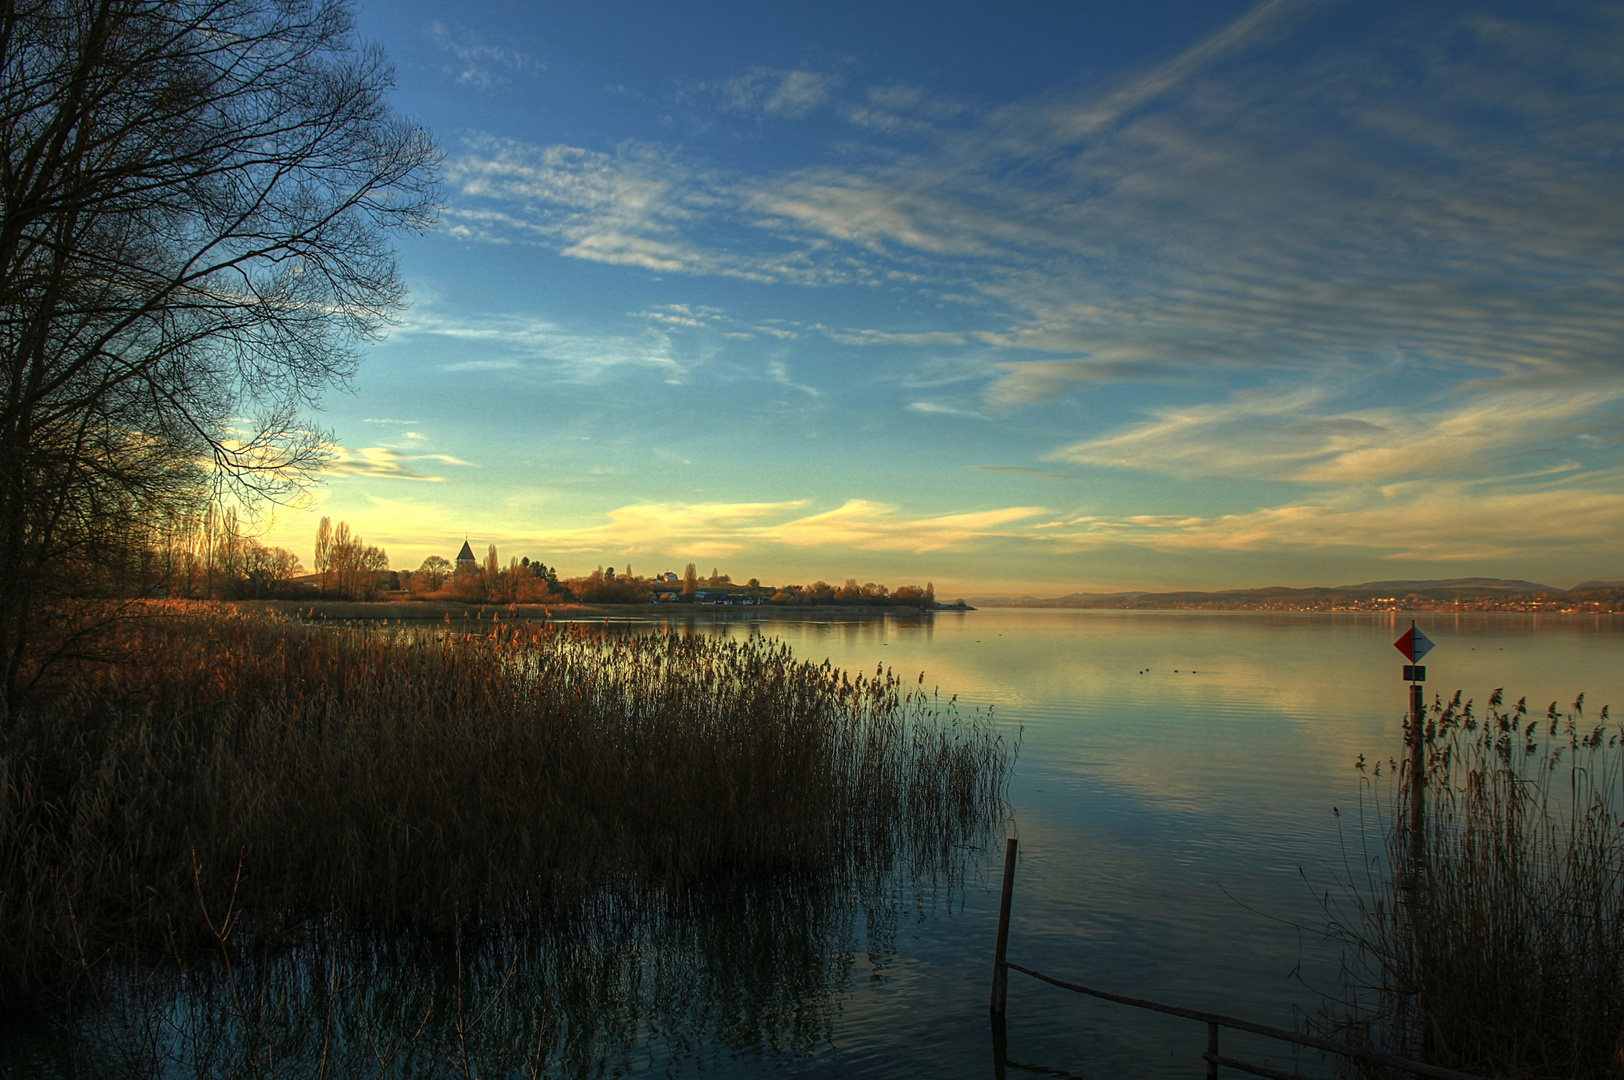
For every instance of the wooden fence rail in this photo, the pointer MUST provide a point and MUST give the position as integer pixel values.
(1214, 1021)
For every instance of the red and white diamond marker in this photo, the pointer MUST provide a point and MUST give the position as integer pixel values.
(1414, 644)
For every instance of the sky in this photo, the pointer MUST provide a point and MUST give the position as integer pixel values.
(1015, 298)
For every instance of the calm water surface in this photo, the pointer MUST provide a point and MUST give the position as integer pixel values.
(1176, 803)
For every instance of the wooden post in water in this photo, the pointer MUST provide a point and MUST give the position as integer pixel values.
(1418, 780)
(1212, 1051)
(1415, 645)
(1000, 973)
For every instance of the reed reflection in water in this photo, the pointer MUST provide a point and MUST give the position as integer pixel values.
(593, 814)
(749, 976)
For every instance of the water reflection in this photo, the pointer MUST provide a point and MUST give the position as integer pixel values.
(1174, 802)
(748, 976)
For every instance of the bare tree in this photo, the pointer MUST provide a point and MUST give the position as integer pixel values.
(434, 573)
(195, 202)
(352, 566)
(206, 555)
(324, 545)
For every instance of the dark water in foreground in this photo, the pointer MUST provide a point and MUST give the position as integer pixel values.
(1174, 804)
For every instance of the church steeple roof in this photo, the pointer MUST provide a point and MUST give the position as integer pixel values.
(466, 554)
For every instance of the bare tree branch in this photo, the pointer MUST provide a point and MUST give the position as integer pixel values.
(196, 198)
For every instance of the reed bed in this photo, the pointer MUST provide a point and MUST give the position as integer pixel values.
(1502, 953)
(251, 773)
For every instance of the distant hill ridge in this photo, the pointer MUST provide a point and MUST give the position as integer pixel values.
(1467, 590)
(1458, 583)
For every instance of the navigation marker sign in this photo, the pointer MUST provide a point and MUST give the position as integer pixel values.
(1414, 644)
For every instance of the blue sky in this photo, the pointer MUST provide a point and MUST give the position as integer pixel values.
(1027, 298)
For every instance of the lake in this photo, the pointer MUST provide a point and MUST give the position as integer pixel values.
(1177, 801)
(1174, 804)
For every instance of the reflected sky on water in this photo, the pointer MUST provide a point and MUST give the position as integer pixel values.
(1174, 804)
(1174, 801)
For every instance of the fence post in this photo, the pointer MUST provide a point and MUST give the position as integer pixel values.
(1000, 973)
(1212, 1051)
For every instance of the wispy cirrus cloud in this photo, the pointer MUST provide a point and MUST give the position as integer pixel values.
(1065, 120)
(1300, 436)
(1407, 231)
(902, 212)
(943, 408)
(884, 337)
(791, 93)
(701, 316)
(1428, 522)
(517, 343)
(384, 463)
(1029, 382)
(477, 62)
(698, 529)
(778, 371)
(637, 207)
(1429, 192)
(875, 526)
(693, 316)
(901, 109)
(724, 529)
(624, 208)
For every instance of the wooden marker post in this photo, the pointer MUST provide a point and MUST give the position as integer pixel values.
(1000, 973)
(1418, 765)
(1414, 645)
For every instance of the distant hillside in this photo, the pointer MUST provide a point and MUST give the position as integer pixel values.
(1468, 594)
(1463, 585)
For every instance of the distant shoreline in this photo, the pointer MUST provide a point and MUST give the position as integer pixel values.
(437, 610)
(1553, 611)
(1449, 595)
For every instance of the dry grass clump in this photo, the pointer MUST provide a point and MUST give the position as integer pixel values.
(1503, 954)
(391, 776)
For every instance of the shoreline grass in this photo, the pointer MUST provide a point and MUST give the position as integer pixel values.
(387, 776)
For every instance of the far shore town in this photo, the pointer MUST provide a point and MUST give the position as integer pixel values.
(212, 559)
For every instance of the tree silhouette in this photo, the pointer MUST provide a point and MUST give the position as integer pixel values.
(195, 201)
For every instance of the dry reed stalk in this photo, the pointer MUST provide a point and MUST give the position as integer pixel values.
(1505, 955)
(383, 775)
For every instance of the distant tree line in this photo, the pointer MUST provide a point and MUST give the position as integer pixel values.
(522, 581)
(206, 556)
(869, 594)
(349, 566)
(525, 580)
